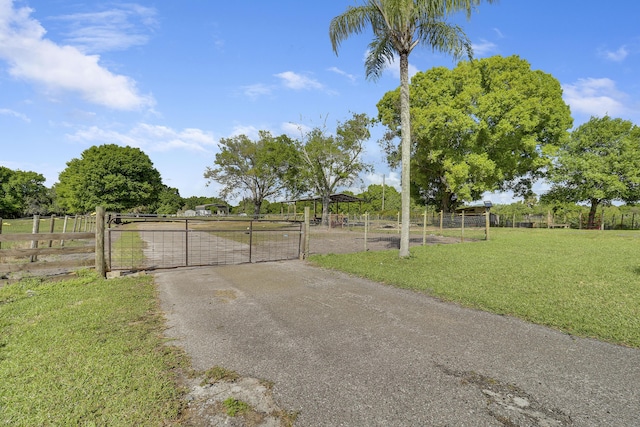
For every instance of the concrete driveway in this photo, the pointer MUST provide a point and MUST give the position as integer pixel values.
(345, 351)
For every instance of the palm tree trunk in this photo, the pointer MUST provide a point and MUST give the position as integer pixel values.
(405, 123)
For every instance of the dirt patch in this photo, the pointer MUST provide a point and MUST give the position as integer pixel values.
(237, 402)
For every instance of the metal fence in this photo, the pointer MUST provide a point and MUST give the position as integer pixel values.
(149, 244)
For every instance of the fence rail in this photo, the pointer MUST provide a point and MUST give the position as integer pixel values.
(72, 242)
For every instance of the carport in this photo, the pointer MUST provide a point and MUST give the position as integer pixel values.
(334, 199)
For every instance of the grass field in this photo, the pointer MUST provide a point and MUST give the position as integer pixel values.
(585, 283)
(85, 352)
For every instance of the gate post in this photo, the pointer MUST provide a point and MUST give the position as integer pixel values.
(186, 242)
(100, 259)
(250, 240)
(307, 214)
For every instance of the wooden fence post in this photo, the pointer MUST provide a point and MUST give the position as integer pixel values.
(487, 223)
(35, 230)
(0, 231)
(64, 228)
(307, 227)
(441, 220)
(366, 230)
(51, 228)
(424, 228)
(100, 259)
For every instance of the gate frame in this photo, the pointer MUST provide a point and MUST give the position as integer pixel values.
(133, 218)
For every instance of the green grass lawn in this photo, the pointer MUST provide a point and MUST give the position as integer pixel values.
(585, 283)
(85, 351)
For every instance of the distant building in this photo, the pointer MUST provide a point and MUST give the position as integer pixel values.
(189, 212)
(220, 209)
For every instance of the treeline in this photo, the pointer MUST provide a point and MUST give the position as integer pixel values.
(487, 125)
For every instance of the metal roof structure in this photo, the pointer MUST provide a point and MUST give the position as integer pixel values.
(335, 198)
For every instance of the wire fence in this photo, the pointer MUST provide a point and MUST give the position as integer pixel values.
(576, 220)
(356, 233)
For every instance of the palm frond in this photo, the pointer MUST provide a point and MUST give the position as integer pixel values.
(353, 21)
(381, 53)
(445, 38)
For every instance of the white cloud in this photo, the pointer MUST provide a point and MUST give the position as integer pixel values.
(119, 28)
(148, 138)
(484, 47)
(597, 97)
(616, 56)
(251, 132)
(392, 179)
(498, 33)
(256, 90)
(8, 112)
(343, 73)
(295, 130)
(298, 81)
(34, 58)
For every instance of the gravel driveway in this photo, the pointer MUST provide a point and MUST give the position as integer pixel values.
(345, 351)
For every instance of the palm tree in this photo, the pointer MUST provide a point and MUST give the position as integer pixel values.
(398, 27)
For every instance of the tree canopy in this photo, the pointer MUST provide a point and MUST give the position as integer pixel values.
(262, 168)
(169, 201)
(486, 125)
(398, 27)
(118, 178)
(22, 193)
(332, 161)
(599, 164)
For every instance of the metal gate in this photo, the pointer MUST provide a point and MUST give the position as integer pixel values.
(140, 243)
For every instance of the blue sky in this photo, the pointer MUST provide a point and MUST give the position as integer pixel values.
(173, 77)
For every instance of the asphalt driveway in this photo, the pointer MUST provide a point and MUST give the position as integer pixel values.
(345, 351)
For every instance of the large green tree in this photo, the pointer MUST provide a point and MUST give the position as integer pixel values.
(599, 164)
(169, 201)
(333, 161)
(486, 125)
(398, 27)
(263, 168)
(22, 193)
(119, 178)
(381, 199)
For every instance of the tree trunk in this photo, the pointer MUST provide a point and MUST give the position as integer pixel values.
(444, 204)
(591, 222)
(256, 208)
(405, 123)
(325, 210)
